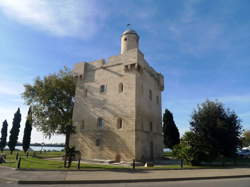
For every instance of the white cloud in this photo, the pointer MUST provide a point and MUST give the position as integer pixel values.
(7, 113)
(72, 18)
(236, 99)
(10, 88)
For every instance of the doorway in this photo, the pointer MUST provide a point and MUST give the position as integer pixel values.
(151, 151)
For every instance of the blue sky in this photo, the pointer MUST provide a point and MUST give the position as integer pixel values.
(200, 46)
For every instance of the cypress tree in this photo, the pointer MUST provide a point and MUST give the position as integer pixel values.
(3, 135)
(14, 132)
(170, 131)
(27, 131)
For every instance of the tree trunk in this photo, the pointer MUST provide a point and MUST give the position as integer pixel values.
(66, 146)
(70, 160)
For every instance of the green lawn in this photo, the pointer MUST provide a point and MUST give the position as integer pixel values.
(40, 162)
(49, 154)
(167, 154)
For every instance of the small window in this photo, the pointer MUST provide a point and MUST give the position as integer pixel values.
(97, 142)
(157, 99)
(119, 123)
(150, 94)
(151, 126)
(102, 88)
(132, 66)
(120, 87)
(100, 123)
(139, 69)
(80, 77)
(125, 39)
(82, 125)
(126, 68)
(85, 93)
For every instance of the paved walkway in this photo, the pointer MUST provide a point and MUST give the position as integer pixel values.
(95, 175)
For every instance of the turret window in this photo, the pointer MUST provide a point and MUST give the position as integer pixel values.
(120, 87)
(125, 39)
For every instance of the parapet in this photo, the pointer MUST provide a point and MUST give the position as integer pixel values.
(79, 70)
(132, 60)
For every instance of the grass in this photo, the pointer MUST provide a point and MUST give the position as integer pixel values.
(41, 162)
(51, 154)
(167, 154)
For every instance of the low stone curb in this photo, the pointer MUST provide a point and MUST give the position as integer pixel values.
(126, 180)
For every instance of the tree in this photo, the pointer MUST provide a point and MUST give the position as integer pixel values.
(52, 100)
(3, 135)
(246, 138)
(184, 150)
(27, 131)
(190, 149)
(171, 132)
(217, 131)
(14, 132)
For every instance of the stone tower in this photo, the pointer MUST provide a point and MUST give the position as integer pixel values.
(117, 113)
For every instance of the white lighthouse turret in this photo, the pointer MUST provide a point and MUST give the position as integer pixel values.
(129, 40)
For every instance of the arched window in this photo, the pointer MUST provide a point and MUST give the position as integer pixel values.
(100, 123)
(85, 93)
(120, 87)
(150, 94)
(151, 126)
(97, 142)
(119, 123)
(102, 88)
(82, 125)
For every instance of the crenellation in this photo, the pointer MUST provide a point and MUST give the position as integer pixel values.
(97, 64)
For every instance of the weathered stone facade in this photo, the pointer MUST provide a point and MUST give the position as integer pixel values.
(117, 113)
